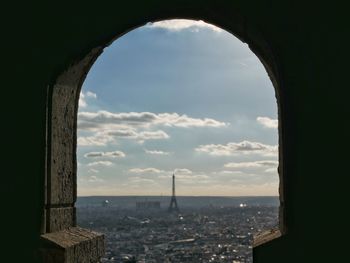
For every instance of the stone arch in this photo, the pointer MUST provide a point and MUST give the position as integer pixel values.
(63, 241)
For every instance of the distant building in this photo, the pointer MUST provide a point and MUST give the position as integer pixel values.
(148, 205)
(173, 203)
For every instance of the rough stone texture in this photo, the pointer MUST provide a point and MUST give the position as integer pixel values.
(281, 190)
(61, 177)
(72, 245)
(65, 242)
(61, 181)
(60, 218)
(266, 236)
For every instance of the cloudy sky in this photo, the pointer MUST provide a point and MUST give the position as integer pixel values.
(177, 96)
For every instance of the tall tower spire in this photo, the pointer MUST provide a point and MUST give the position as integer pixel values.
(173, 202)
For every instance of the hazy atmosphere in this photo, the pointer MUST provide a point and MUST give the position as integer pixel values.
(177, 96)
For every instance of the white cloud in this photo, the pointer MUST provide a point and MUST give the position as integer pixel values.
(225, 172)
(83, 96)
(95, 179)
(191, 177)
(123, 133)
(182, 171)
(110, 121)
(106, 117)
(98, 139)
(185, 177)
(137, 180)
(140, 136)
(156, 152)
(257, 164)
(100, 163)
(181, 24)
(109, 126)
(145, 170)
(271, 170)
(92, 170)
(181, 174)
(152, 135)
(267, 122)
(105, 137)
(244, 147)
(114, 154)
(82, 102)
(174, 119)
(91, 95)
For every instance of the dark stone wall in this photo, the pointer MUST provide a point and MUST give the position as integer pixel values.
(310, 40)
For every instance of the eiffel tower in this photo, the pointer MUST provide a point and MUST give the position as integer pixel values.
(173, 204)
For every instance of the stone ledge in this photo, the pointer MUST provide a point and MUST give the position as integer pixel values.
(266, 236)
(72, 245)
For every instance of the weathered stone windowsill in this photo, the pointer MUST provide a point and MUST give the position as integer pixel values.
(266, 236)
(74, 244)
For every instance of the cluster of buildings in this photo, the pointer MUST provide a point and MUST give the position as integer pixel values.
(206, 234)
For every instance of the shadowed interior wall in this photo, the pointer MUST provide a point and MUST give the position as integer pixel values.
(310, 43)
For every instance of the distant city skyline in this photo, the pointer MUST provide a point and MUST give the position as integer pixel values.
(183, 97)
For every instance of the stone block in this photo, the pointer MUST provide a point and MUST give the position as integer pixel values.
(60, 218)
(72, 245)
(266, 236)
(62, 177)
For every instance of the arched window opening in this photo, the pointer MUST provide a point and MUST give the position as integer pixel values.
(178, 103)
